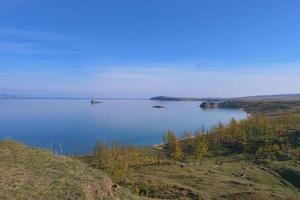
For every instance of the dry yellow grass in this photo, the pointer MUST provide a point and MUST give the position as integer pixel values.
(27, 173)
(234, 179)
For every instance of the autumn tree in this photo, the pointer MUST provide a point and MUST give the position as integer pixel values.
(232, 131)
(100, 155)
(132, 155)
(172, 147)
(216, 137)
(200, 147)
(114, 160)
(290, 122)
(118, 163)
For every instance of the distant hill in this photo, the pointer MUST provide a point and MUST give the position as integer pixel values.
(167, 98)
(271, 105)
(271, 97)
(8, 96)
(257, 98)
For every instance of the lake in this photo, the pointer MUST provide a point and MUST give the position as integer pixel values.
(74, 126)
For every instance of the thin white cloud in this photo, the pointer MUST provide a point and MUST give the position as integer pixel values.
(192, 81)
(149, 80)
(21, 41)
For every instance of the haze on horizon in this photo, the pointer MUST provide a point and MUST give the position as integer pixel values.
(138, 48)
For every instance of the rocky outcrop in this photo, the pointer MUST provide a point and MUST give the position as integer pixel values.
(209, 104)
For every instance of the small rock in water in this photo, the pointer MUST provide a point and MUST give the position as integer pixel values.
(158, 106)
(94, 101)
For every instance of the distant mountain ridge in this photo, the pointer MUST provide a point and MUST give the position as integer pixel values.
(295, 96)
(168, 98)
(8, 96)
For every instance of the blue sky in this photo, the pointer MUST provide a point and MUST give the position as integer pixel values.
(143, 48)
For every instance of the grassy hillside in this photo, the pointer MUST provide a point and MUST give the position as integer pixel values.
(256, 158)
(267, 107)
(236, 178)
(27, 173)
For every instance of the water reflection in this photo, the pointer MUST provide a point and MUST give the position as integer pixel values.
(76, 125)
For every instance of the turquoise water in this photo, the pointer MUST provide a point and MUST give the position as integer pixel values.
(74, 126)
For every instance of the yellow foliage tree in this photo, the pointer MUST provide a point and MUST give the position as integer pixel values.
(172, 147)
(200, 148)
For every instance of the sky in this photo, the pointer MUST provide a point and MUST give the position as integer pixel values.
(144, 48)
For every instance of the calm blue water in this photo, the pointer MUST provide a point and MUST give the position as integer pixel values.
(74, 126)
